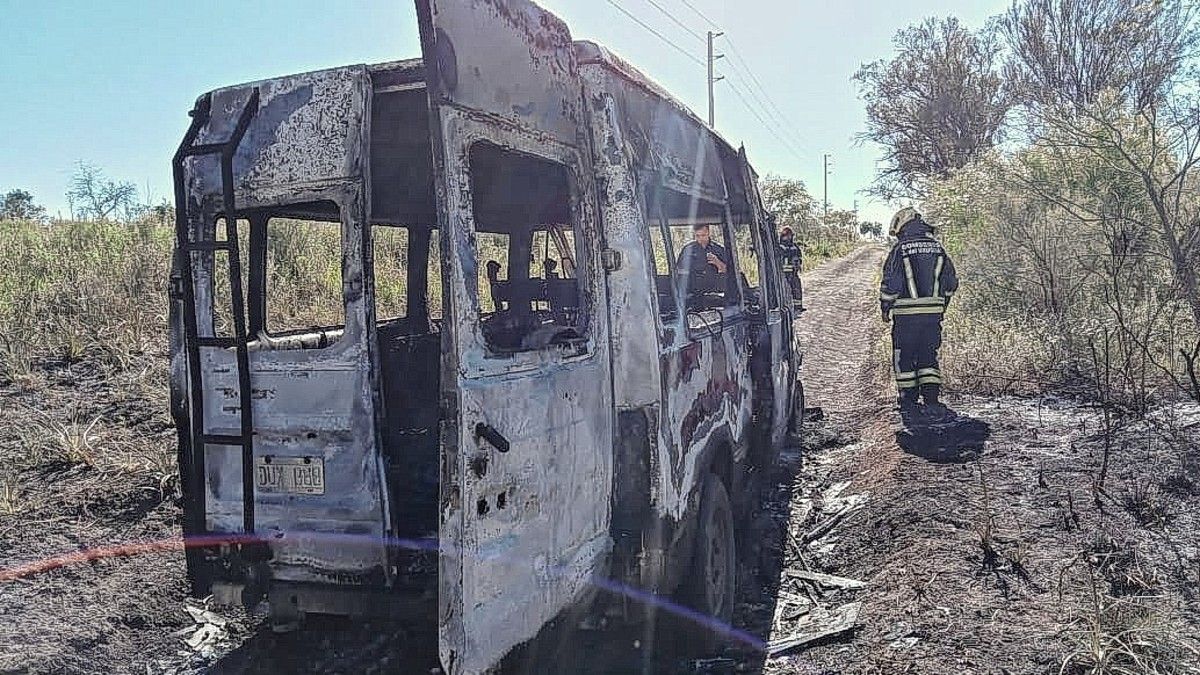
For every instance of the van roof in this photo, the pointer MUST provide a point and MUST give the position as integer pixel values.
(404, 73)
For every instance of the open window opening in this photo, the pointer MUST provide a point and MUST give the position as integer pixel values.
(702, 270)
(530, 286)
(291, 277)
(746, 253)
(303, 277)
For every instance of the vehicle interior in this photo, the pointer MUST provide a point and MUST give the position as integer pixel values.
(407, 327)
(673, 218)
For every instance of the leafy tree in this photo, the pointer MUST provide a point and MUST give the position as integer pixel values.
(94, 196)
(842, 219)
(871, 229)
(794, 207)
(788, 199)
(19, 205)
(938, 104)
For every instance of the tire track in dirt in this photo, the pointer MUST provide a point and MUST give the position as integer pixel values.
(839, 335)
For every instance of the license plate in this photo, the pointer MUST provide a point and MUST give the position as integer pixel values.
(290, 475)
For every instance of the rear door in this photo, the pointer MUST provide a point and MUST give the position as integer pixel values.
(314, 473)
(527, 398)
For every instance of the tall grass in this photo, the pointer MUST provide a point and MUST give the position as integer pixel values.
(819, 249)
(72, 288)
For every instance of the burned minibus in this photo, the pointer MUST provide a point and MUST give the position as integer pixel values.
(537, 396)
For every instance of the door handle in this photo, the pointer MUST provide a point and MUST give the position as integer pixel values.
(489, 433)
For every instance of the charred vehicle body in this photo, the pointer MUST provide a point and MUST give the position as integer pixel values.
(549, 402)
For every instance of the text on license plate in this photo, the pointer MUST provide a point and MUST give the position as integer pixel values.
(291, 475)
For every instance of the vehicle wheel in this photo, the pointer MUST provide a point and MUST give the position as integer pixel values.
(796, 418)
(710, 590)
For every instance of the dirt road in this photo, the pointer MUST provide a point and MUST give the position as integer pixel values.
(1001, 543)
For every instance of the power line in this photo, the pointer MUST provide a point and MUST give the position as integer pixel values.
(782, 141)
(767, 126)
(786, 126)
(657, 34)
(677, 22)
(741, 59)
(700, 14)
(783, 126)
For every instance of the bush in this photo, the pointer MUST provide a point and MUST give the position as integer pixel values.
(1050, 299)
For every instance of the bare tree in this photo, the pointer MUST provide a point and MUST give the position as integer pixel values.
(938, 104)
(1067, 52)
(94, 196)
(1102, 77)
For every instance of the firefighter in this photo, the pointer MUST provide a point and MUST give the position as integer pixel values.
(791, 257)
(918, 282)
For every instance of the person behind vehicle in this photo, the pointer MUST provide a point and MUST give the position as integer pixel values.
(792, 258)
(918, 282)
(705, 265)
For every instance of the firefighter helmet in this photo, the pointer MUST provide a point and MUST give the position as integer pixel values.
(903, 217)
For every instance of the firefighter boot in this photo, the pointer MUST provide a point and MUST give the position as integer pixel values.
(934, 409)
(908, 401)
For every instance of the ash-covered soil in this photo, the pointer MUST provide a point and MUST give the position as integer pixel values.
(1001, 542)
(86, 471)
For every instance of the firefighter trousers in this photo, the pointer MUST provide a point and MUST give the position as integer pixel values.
(915, 343)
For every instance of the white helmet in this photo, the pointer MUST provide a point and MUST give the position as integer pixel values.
(903, 217)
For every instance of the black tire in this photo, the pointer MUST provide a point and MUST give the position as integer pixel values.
(796, 418)
(711, 587)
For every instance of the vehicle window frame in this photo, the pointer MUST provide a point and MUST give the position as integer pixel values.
(728, 311)
(488, 359)
(253, 248)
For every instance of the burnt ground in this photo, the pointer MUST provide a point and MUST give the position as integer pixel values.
(999, 543)
(991, 544)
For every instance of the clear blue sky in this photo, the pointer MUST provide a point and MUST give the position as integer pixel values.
(111, 82)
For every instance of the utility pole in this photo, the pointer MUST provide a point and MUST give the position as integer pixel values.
(712, 58)
(825, 221)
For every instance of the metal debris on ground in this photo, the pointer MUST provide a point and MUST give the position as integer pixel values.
(711, 664)
(817, 625)
(206, 633)
(827, 579)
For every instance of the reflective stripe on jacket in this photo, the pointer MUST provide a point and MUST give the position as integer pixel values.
(918, 275)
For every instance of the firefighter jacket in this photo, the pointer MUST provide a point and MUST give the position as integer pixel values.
(918, 276)
(789, 254)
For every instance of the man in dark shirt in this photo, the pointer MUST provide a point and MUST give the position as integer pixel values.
(705, 265)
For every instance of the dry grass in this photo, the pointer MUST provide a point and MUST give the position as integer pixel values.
(1123, 636)
(72, 441)
(76, 289)
(10, 503)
